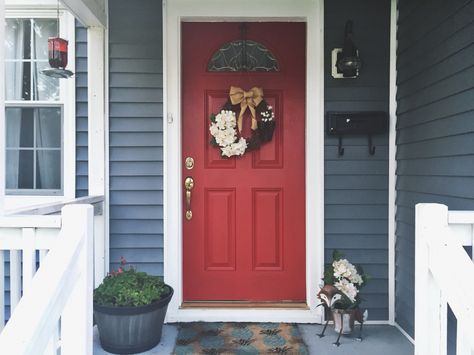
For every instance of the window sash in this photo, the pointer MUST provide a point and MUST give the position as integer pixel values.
(35, 149)
(30, 45)
(67, 95)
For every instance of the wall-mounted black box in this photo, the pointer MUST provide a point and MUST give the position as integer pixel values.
(361, 122)
(369, 122)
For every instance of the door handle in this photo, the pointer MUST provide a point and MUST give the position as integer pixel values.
(188, 185)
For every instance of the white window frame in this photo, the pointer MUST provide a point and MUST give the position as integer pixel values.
(47, 9)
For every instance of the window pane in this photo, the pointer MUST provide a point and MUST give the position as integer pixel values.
(48, 169)
(20, 127)
(17, 38)
(45, 87)
(24, 80)
(48, 128)
(19, 169)
(17, 83)
(42, 30)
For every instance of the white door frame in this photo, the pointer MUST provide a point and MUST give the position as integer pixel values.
(311, 12)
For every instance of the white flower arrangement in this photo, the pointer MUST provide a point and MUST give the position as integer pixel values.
(225, 134)
(348, 288)
(346, 277)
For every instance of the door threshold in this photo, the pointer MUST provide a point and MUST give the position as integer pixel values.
(243, 304)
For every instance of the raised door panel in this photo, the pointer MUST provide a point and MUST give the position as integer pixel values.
(219, 229)
(267, 241)
(270, 154)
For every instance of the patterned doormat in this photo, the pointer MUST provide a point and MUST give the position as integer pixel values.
(239, 338)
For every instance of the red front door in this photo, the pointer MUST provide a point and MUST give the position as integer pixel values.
(246, 238)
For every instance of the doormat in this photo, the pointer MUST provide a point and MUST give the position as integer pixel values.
(239, 338)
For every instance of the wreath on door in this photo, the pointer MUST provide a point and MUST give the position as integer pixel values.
(226, 126)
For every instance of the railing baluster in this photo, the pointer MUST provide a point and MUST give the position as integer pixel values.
(2, 289)
(29, 257)
(15, 278)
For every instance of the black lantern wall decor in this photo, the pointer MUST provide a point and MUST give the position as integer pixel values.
(57, 56)
(346, 61)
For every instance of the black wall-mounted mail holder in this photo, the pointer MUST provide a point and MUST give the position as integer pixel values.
(356, 123)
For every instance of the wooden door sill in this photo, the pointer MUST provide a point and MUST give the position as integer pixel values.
(243, 304)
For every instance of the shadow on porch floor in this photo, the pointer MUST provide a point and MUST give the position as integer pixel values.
(378, 339)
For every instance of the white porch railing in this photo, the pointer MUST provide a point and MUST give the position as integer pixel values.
(55, 311)
(444, 274)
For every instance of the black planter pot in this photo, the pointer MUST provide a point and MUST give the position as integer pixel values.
(126, 330)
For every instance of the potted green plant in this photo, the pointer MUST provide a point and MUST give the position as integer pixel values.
(129, 310)
(340, 294)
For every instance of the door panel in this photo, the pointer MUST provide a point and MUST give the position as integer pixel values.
(246, 239)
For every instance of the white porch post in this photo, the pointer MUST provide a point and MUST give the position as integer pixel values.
(2, 106)
(94, 15)
(430, 305)
(96, 140)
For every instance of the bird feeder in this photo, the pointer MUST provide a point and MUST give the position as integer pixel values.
(57, 57)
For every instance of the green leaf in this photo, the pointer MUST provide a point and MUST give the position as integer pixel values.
(213, 141)
(337, 255)
(213, 117)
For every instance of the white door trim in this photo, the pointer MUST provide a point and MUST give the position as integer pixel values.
(311, 12)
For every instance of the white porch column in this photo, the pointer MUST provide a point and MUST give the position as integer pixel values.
(94, 15)
(96, 141)
(2, 106)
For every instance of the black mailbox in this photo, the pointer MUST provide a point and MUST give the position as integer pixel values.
(352, 123)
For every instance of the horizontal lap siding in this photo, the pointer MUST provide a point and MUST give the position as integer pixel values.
(81, 111)
(435, 128)
(136, 134)
(356, 183)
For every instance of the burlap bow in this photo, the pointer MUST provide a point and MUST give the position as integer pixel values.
(249, 99)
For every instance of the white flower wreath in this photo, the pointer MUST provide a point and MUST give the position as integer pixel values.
(225, 134)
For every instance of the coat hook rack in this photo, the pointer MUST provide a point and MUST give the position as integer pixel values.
(357, 123)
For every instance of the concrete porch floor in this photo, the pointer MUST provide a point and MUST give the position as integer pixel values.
(378, 339)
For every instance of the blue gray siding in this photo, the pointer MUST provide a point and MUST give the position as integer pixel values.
(356, 183)
(81, 111)
(435, 128)
(136, 134)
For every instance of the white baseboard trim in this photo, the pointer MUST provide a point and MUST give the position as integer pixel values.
(404, 333)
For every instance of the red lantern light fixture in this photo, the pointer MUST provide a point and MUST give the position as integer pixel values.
(57, 55)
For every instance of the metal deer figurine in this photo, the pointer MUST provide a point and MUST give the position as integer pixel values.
(330, 296)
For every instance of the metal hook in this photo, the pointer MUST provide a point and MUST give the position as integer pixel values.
(371, 147)
(340, 149)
